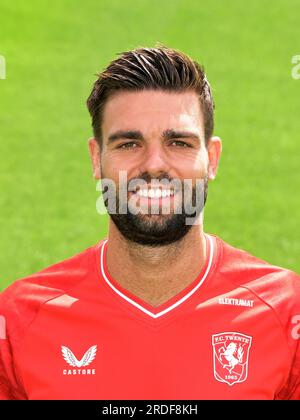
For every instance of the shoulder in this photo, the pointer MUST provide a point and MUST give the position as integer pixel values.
(277, 287)
(22, 299)
(242, 268)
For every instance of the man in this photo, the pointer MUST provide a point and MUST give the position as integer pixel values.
(160, 309)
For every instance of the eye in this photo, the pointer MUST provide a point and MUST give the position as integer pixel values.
(180, 143)
(128, 145)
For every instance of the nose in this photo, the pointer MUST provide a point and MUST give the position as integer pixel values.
(155, 160)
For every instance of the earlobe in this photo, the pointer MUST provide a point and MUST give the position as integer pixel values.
(214, 148)
(95, 155)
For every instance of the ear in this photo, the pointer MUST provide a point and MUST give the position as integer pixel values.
(214, 149)
(95, 155)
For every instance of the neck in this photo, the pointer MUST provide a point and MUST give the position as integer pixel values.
(156, 274)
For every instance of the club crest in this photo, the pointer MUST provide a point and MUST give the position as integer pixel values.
(231, 356)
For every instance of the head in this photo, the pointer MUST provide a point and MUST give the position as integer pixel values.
(152, 117)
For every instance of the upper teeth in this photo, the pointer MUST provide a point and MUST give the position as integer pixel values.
(157, 193)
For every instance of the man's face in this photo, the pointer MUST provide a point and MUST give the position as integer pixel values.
(154, 135)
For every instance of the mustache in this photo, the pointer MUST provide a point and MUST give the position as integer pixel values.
(145, 176)
(142, 177)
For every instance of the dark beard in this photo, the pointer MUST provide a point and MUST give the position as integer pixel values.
(157, 230)
(149, 232)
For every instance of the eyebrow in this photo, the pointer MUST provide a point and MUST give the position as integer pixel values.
(137, 135)
(125, 134)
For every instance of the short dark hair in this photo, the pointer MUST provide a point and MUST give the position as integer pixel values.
(159, 68)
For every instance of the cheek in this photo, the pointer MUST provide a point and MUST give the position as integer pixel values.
(111, 165)
(194, 166)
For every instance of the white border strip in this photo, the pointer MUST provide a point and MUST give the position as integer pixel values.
(146, 311)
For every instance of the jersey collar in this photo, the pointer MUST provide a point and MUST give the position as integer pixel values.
(171, 304)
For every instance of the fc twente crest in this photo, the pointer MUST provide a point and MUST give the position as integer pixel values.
(231, 355)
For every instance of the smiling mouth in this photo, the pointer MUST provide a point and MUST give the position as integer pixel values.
(154, 193)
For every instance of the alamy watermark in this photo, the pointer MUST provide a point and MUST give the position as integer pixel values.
(157, 197)
(2, 67)
(2, 327)
(296, 67)
(296, 328)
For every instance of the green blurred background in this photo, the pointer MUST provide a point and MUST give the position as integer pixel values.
(53, 50)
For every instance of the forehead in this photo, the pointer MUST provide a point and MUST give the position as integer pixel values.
(151, 111)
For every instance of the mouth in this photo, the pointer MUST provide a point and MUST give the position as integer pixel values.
(154, 192)
(158, 195)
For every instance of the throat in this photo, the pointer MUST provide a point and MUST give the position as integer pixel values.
(156, 292)
(156, 275)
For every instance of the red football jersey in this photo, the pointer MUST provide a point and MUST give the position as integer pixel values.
(71, 332)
